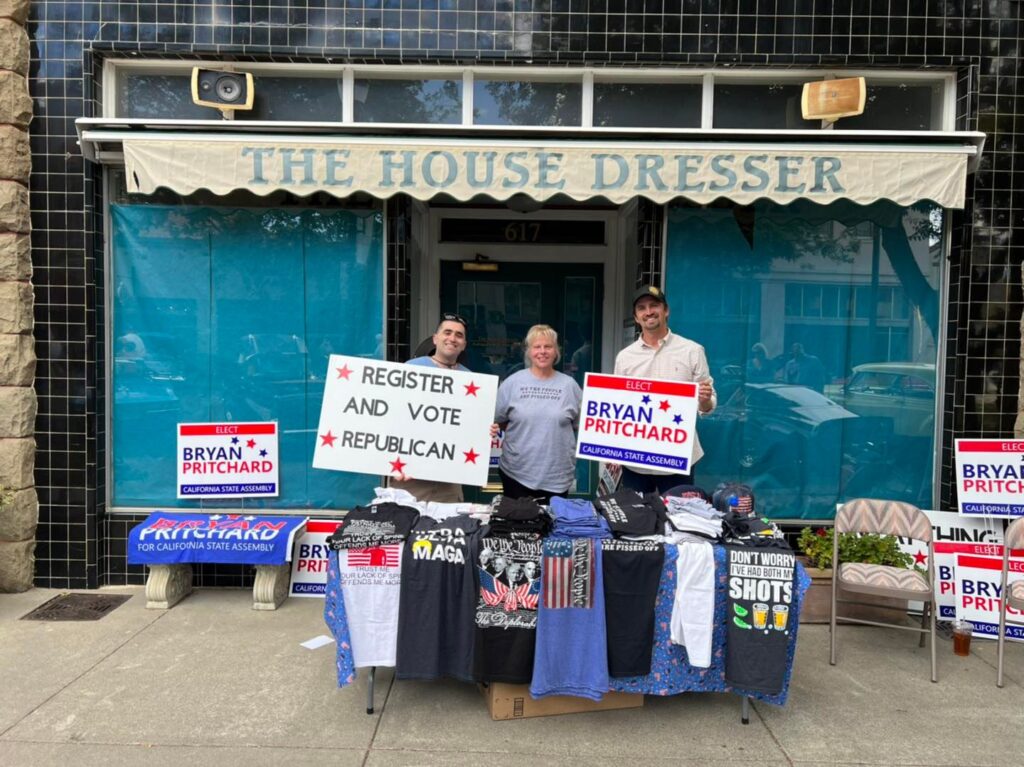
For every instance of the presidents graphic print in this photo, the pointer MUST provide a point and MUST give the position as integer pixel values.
(510, 583)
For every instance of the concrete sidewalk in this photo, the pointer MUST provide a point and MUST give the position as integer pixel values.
(213, 682)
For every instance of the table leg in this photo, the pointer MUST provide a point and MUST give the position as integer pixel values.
(369, 690)
(745, 716)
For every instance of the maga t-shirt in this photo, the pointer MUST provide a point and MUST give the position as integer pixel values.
(437, 607)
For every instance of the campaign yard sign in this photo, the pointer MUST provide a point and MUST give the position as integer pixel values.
(309, 560)
(169, 538)
(638, 422)
(990, 477)
(953, 535)
(979, 593)
(228, 460)
(384, 417)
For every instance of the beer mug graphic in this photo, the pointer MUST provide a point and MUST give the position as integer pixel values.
(780, 616)
(760, 615)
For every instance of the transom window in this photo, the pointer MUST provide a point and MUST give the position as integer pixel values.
(532, 97)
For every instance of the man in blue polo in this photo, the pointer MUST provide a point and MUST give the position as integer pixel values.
(449, 342)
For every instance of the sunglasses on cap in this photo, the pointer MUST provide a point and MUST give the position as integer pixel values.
(451, 317)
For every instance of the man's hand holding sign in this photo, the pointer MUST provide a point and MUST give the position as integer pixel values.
(386, 418)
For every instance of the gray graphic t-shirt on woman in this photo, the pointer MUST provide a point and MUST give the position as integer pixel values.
(540, 443)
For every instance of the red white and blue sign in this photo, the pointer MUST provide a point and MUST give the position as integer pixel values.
(990, 477)
(638, 422)
(228, 460)
(168, 538)
(979, 593)
(310, 559)
(953, 535)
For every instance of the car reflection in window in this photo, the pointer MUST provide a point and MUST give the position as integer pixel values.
(799, 450)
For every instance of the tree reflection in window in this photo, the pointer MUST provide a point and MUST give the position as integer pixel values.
(408, 101)
(526, 103)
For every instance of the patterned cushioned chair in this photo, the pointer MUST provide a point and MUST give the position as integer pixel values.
(1013, 539)
(866, 515)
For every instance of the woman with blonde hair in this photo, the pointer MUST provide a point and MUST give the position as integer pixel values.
(539, 409)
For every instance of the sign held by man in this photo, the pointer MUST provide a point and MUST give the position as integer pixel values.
(390, 418)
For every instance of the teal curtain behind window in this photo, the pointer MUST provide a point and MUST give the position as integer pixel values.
(819, 324)
(227, 314)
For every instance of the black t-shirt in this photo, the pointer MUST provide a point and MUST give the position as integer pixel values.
(632, 572)
(629, 513)
(506, 612)
(437, 605)
(376, 525)
(761, 595)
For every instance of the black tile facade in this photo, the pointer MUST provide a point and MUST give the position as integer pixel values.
(80, 546)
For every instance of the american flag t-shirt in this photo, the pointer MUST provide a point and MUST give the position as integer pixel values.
(568, 568)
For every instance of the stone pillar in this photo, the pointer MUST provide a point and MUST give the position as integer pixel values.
(19, 507)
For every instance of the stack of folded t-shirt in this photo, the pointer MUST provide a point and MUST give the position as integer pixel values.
(692, 516)
(631, 515)
(576, 518)
(519, 516)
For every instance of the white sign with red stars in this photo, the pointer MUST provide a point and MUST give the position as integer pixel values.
(385, 417)
(953, 535)
(228, 460)
(638, 422)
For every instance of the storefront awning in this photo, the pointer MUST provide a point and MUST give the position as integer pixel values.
(542, 167)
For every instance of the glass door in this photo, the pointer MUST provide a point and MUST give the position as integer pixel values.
(501, 305)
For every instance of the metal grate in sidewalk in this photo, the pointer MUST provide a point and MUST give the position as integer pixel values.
(77, 607)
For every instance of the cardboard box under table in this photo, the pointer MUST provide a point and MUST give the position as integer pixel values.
(513, 701)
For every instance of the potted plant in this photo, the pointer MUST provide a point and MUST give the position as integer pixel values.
(815, 546)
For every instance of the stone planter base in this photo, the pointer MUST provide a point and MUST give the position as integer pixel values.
(817, 602)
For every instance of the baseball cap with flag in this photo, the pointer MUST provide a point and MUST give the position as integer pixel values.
(732, 496)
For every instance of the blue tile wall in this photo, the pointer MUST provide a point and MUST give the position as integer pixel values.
(81, 547)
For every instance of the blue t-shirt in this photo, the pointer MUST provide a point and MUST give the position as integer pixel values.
(427, 362)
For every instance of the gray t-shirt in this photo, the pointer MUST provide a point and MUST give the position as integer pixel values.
(540, 444)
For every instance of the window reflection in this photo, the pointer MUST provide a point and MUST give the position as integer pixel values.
(827, 382)
(526, 103)
(245, 338)
(665, 105)
(408, 101)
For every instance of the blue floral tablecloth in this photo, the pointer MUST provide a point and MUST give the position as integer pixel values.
(671, 672)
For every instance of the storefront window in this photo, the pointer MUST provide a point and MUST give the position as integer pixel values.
(501, 102)
(313, 99)
(408, 101)
(826, 383)
(901, 106)
(230, 314)
(160, 95)
(665, 105)
(764, 106)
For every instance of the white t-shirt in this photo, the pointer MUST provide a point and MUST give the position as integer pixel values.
(370, 580)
